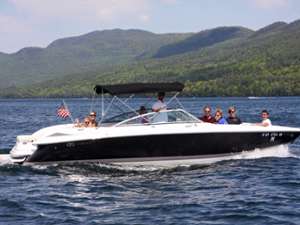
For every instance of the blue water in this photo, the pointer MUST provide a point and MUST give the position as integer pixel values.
(246, 190)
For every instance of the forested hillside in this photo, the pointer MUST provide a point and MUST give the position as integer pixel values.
(96, 51)
(239, 63)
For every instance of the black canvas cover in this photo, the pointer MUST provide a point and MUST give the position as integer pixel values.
(135, 88)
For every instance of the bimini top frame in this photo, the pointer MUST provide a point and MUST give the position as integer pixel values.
(135, 88)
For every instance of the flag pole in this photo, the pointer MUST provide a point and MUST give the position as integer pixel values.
(65, 105)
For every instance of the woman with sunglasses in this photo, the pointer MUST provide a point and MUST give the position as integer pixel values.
(232, 118)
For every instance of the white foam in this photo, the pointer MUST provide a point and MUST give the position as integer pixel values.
(281, 151)
(5, 159)
(132, 166)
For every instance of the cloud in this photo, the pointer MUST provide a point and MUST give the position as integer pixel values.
(169, 2)
(10, 25)
(145, 18)
(269, 4)
(15, 34)
(100, 10)
(38, 22)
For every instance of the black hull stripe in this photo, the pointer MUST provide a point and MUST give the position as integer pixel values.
(160, 146)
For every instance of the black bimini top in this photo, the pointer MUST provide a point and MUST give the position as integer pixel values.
(134, 88)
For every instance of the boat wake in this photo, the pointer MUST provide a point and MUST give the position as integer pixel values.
(5, 159)
(281, 151)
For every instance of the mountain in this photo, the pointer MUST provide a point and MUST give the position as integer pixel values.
(100, 51)
(274, 27)
(203, 39)
(94, 51)
(230, 61)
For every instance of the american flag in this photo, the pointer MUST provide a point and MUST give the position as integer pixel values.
(63, 112)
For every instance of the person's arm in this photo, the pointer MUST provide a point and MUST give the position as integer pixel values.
(155, 110)
(158, 106)
(263, 124)
(155, 107)
(266, 123)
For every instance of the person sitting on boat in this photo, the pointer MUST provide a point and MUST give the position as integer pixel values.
(265, 119)
(92, 118)
(142, 111)
(158, 107)
(207, 117)
(86, 122)
(232, 118)
(219, 117)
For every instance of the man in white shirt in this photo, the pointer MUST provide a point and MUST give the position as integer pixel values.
(265, 119)
(159, 107)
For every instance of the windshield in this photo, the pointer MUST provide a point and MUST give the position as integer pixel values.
(120, 117)
(167, 116)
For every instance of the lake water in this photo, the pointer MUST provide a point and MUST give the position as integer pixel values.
(256, 188)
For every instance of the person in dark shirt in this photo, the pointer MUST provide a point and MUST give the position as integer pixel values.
(232, 118)
(207, 117)
(142, 111)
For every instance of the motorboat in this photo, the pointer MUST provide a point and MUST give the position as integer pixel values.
(131, 137)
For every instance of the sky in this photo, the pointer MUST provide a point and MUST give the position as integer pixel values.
(25, 23)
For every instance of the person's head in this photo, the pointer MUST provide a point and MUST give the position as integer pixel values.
(265, 114)
(86, 121)
(218, 114)
(206, 110)
(161, 95)
(142, 110)
(232, 111)
(92, 116)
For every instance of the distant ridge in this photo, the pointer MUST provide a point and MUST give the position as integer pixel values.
(203, 39)
(270, 29)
